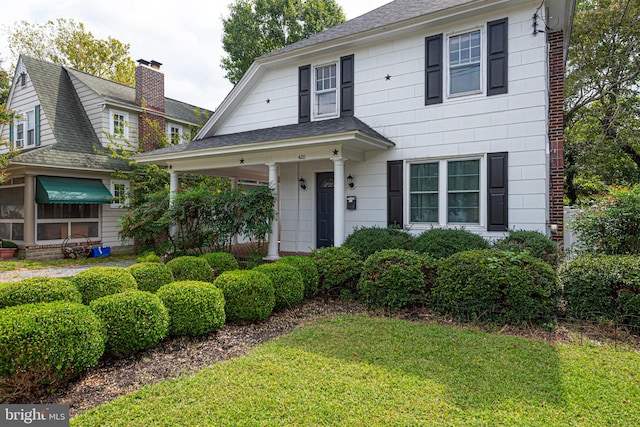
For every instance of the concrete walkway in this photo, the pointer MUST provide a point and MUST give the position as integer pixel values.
(14, 275)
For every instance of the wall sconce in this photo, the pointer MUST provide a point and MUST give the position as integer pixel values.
(302, 183)
(350, 181)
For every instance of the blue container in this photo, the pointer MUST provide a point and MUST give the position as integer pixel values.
(101, 251)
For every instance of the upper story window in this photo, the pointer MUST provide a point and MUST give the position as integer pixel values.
(119, 191)
(464, 63)
(326, 92)
(174, 133)
(25, 130)
(118, 124)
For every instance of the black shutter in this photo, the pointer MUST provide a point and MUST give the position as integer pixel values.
(433, 70)
(394, 193)
(37, 125)
(304, 95)
(497, 179)
(497, 54)
(346, 86)
(11, 132)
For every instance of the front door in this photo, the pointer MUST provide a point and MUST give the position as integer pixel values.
(324, 225)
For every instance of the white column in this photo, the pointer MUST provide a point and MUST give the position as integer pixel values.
(338, 201)
(274, 236)
(173, 189)
(29, 236)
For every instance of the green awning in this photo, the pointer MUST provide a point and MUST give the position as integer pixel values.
(55, 189)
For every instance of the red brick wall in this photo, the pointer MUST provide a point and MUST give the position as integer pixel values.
(150, 88)
(556, 181)
(150, 128)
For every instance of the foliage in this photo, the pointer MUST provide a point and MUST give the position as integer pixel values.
(192, 217)
(38, 289)
(98, 282)
(308, 269)
(48, 341)
(392, 279)
(442, 242)
(7, 152)
(150, 276)
(190, 268)
(537, 244)
(368, 240)
(248, 294)
(147, 222)
(133, 321)
(287, 284)
(514, 287)
(221, 262)
(338, 267)
(149, 257)
(611, 224)
(8, 244)
(257, 27)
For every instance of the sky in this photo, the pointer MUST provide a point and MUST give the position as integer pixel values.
(185, 36)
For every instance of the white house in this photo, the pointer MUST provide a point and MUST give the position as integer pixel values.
(440, 113)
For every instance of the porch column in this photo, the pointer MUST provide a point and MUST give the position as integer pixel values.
(338, 201)
(29, 211)
(173, 189)
(274, 236)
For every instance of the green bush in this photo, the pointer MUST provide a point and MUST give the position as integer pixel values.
(248, 294)
(392, 279)
(538, 245)
(287, 284)
(38, 289)
(368, 240)
(150, 257)
(150, 276)
(191, 268)
(195, 307)
(511, 287)
(443, 242)
(133, 320)
(47, 343)
(221, 262)
(8, 244)
(338, 267)
(98, 282)
(308, 269)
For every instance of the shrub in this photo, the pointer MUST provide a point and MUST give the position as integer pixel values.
(133, 320)
(287, 284)
(338, 267)
(98, 282)
(538, 245)
(392, 279)
(150, 257)
(8, 244)
(38, 289)
(191, 268)
(368, 240)
(195, 307)
(513, 287)
(47, 343)
(249, 295)
(221, 262)
(309, 271)
(442, 242)
(150, 276)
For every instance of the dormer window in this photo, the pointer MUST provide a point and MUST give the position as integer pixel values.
(119, 124)
(174, 134)
(326, 93)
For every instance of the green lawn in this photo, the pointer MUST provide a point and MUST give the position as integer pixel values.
(361, 371)
(16, 264)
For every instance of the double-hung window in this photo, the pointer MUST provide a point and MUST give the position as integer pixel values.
(119, 124)
(463, 191)
(25, 130)
(464, 63)
(326, 91)
(174, 133)
(119, 191)
(423, 190)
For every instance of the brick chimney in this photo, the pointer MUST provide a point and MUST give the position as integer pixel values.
(150, 95)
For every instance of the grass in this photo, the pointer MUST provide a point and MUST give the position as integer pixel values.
(361, 371)
(11, 265)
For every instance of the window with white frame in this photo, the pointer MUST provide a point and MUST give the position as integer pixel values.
(118, 123)
(119, 191)
(174, 133)
(61, 221)
(25, 130)
(465, 52)
(325, 91)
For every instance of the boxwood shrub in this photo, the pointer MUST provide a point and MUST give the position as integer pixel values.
(503, 285)
(287, 284)
(191, 268)
(150, 276)
(308, 269)
(38, 289)
(538, 245)
(249, 295)
(149, 257)
(47, 343)
(98, 282)
(195, 307)
(368, 240)
(133, 320)
(338, 267)
(221, 262)
(392, 279)
(442, 242)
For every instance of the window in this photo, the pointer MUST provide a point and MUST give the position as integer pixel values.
(12, 212)
(31, 128)
(119, 124)
(424, 192)
(464, 63)
(19, 134)
(174, 134)
(59, 221)
(25, 130)
(326, 94)
(119, 190)
(463, 193)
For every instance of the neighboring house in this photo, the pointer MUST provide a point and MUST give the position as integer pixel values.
(60, 187)
(420, 114)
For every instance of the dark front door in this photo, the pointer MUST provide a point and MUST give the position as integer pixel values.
(324, 225)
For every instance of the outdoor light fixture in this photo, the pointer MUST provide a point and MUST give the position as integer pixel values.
(350, 181)
(302, 183)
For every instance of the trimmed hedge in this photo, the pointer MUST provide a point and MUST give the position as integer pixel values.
(221, 262)
(338, 267)
(366, 241)
(287, 284)
(38, 289)
(392, 279)
(133, 320)
(98, 282)
(538, 245)
(497, 283)
(249, 295)
(308, 269)
(151, 276)
(443, 242)
(191, 268)
(195, 307)
(150, 257)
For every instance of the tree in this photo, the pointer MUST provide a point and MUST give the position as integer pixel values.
(257, 27)
(68, 43)
(6, 149)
